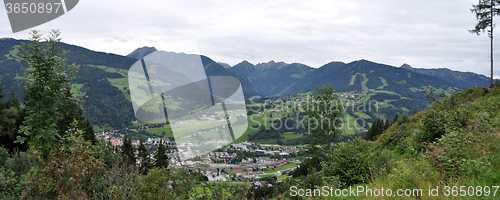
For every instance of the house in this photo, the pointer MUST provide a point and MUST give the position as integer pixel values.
(257, 184)
(115, 143)
(247, 144)
(238, 172)
(261, 183)
(259, 151)
(239, 146)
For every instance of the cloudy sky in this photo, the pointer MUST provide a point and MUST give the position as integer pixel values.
(424, 34)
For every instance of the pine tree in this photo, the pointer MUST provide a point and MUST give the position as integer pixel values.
(369, 133)
(381, 127)
(72, 111)
(143, 158)
(161, 156)
(88, 131)
(387, 124)
(405, 118)
(11, 116)
(128, 152)
(485, 10)
(396, 118)
(375, 130)
(13, 99)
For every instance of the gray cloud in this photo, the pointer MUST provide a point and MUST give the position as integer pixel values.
(424, 34)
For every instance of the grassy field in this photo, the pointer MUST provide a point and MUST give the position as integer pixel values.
(353, 78)
(122, 85)
(289, 165)
(192, 126)
(277, 177)
(362, 115)
(363, 83)
(14, 52)
(159, 131)
(76, 87)
(266, 141)
(384, 82)
(290, 135)
(349, 126)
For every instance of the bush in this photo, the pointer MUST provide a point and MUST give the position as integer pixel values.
(351, 162)
(70, 172)
(7, 184)
(4, 155)
(383, 162)
(155, 185)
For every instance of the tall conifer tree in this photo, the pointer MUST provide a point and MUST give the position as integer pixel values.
(161, 156)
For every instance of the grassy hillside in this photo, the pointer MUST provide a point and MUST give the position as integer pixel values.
(452, 143)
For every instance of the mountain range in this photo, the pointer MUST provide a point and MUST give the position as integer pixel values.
(283, 79)
(103, 79)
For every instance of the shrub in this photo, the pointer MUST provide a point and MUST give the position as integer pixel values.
(70, 171)
(155, 185)
(351, 162)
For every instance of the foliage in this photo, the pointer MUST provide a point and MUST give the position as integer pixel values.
(71, 171)
(8, 183)
(11, 116)
(128, 152)
(121, 181)
(350, 162)
(485, 10)
(4, 155)
(143, 156)
(161, 157)
(325, 112)
(208, 191)
(377, 128)
(49, 104)
(155, 185)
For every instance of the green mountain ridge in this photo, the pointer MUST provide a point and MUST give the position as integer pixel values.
(278, 81)
(460, 79)
(102, 78)
(363, 75)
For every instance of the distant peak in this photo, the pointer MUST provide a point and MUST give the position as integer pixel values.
(141, 52)
(365, 60)
(225, 65)
(406, 66)
(245, 62)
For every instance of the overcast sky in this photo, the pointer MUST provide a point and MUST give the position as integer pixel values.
(424, 33)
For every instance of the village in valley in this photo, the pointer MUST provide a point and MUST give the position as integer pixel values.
(259, 162)
(237, 162)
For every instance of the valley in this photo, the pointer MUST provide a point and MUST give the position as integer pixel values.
(282, 88)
